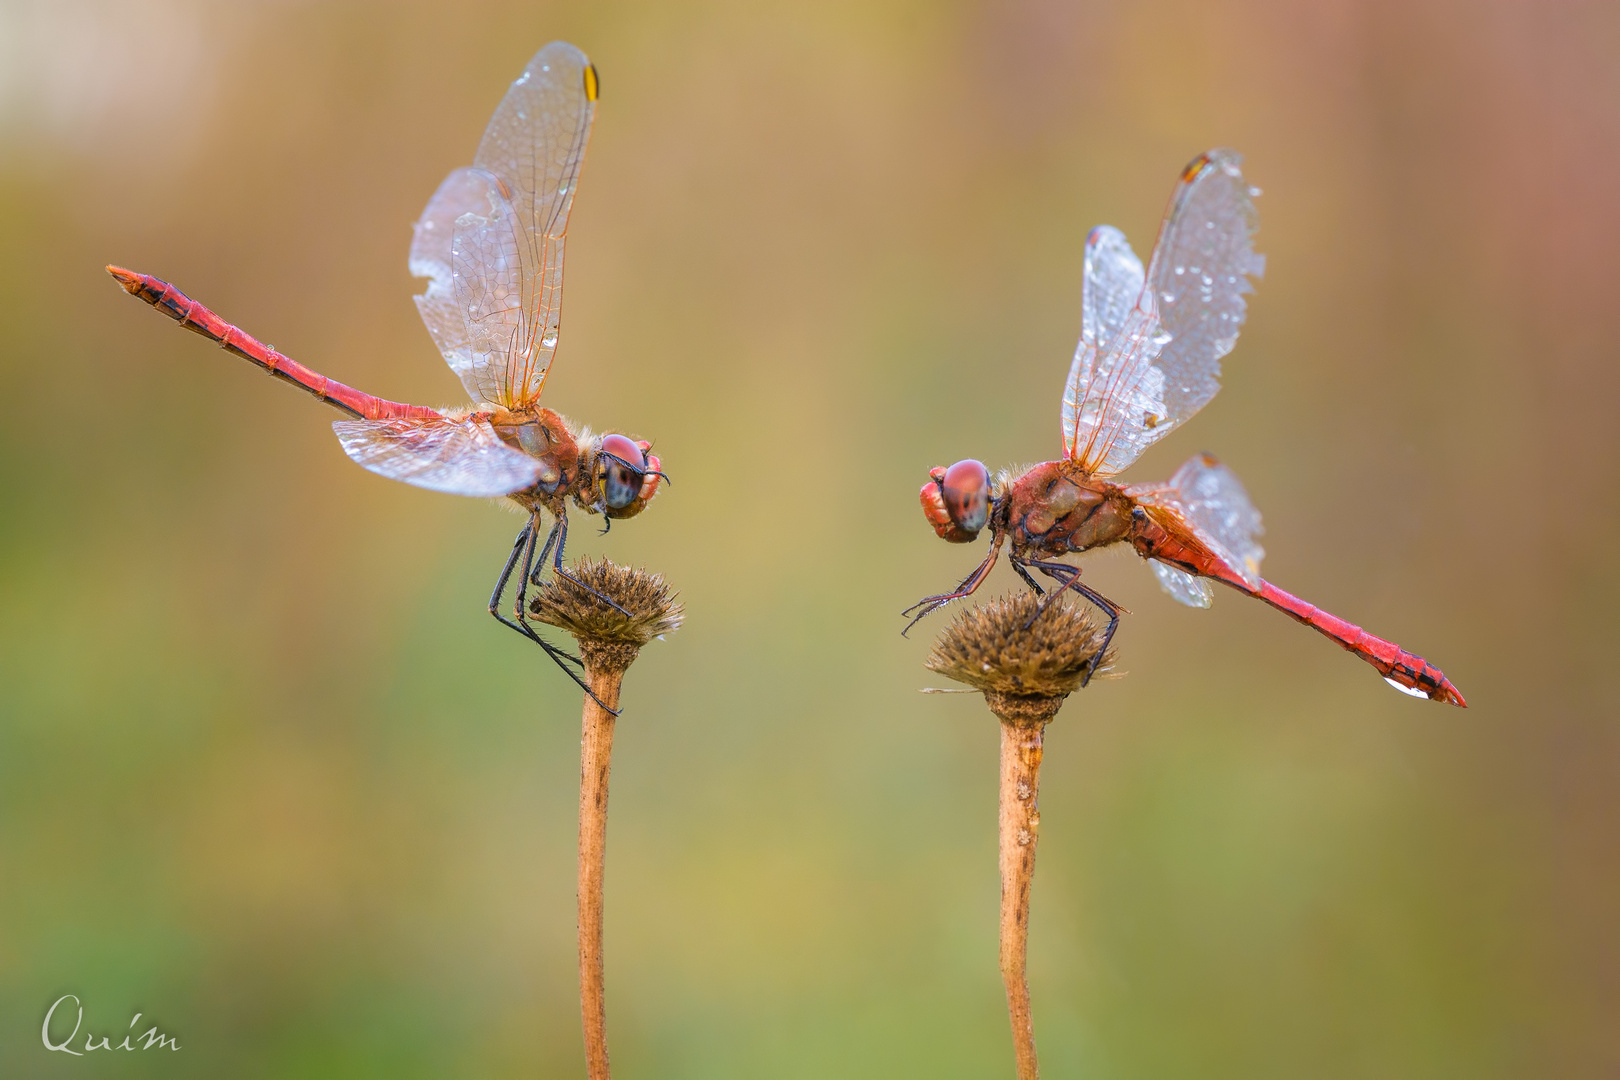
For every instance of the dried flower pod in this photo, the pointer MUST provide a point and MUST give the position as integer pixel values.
(1025, 669)
(608, 638)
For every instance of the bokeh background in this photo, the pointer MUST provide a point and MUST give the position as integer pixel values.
(270, 776)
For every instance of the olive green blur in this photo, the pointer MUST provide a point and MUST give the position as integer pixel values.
(272, 777)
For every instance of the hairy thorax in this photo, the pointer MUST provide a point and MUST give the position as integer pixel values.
(544, 436)
(1056, 507)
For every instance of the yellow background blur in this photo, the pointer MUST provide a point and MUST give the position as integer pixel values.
(271, 776)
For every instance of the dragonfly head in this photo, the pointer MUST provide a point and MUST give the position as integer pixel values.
(625, 475)
(956, 501)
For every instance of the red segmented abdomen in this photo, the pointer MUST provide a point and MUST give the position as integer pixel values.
(1395, 663)
(1405, 670)
(198, 319)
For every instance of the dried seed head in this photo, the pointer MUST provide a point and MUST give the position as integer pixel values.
(607, 637)
(1025, 674)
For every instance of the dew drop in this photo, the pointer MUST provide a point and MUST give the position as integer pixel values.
(549, 341)
(1180, 270)
(1255, 193)
(1407, 690)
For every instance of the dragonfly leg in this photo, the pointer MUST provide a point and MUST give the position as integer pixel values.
(1018, 565)
(520, 607)
(539, 561)
(930, 604)
(506, 575)
(523, 549)
(568, 575)
(1069, 576)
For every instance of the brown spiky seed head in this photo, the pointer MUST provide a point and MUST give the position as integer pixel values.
(1025, 673)
(604, 634)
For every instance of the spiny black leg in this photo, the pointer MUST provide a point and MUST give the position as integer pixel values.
(567, 575)
(525, 574)
(506, 574)
(540, 559)
(524, 548)
(1070, 577)
(557, 657)
(1067, 576)
(930, 604)
(1018, 565)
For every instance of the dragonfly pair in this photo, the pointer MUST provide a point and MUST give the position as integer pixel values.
(491, 242)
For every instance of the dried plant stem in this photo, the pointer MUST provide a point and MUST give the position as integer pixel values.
(1020, 822)
(612, 611)
(595, 760)
(1026, 659)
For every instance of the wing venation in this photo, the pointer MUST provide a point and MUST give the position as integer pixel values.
(460, 457)
(491, 239)
(1210, 501)
(1181, 586)
(1136, 379)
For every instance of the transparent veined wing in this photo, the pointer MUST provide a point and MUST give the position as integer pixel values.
(1200, 274)
(1211, 502)
(1164, 363)
(465, 244)
(535, 144)
(461, 457)
(1183, 587)
(1111, 286)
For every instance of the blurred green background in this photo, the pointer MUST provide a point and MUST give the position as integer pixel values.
(271, 776)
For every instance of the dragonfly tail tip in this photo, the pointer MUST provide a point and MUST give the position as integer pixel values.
(130, 280)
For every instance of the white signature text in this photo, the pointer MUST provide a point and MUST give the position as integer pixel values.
(152, 1036)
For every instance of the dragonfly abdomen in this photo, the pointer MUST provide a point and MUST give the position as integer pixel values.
(199, 320)
(1405, 671)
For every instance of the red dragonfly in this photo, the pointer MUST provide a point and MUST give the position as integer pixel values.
(1149, 358)
(490, 244)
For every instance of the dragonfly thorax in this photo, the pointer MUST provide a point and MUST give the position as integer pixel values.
(1057, 507)
(544, 436)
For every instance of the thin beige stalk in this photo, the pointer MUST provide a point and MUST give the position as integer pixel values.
(1020, 823)
(609, 640)
(595, 761)
(1026, 660)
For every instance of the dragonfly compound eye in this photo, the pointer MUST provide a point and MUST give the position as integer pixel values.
(966, 490)
(620, 465)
